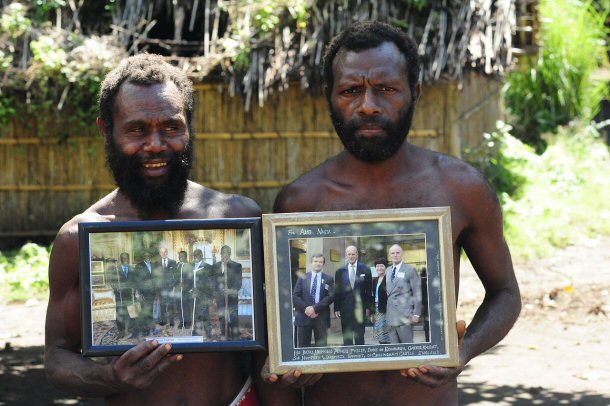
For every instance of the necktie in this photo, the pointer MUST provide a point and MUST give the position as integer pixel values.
(314, 288)
(125, 270)
(164, 263)
(393, 272)
(352, 274)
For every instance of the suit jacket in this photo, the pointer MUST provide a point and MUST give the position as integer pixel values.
(358, 299)
(146, 281)
(233, 276)
(190, 282)
(404, 295)
(122, 285)
(301, 298)
(382, 292)
(167, 278)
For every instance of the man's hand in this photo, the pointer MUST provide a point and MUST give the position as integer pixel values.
(414, 319)
(338, 314)
(310, 312)
(294, 378)
(434, 376)
(137, 368)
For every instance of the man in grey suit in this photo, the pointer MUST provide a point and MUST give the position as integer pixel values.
(312, 296)
(404, 298)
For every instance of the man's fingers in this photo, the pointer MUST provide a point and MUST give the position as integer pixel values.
(460, 326)
(137, 353)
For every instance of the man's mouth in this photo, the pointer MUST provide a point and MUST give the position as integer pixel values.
(155, 168)
(155, 165)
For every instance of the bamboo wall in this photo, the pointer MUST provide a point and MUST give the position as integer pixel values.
(44, 182)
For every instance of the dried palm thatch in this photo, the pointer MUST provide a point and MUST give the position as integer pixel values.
(453, 36)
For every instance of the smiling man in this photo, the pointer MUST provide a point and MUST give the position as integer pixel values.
(146, 109)
(371, 75)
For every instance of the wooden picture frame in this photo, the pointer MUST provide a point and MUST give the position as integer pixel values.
(373, 232)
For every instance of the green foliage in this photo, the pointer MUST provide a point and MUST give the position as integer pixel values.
(14, 21)
(559, 84)
(553, 199)
(49, 69)
(23, 274)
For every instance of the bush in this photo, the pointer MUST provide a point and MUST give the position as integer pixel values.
(24, 274)
(559, 84)
(550, 200)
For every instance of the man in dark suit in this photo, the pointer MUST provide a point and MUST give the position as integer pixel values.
(146, 292)
(122, 278)
(226, 282)
(312, 296)
(165, 269)
(404, 298)
(353, 298)
(195, 293)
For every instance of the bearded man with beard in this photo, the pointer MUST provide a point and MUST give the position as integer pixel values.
(371, 73)
(146, 110)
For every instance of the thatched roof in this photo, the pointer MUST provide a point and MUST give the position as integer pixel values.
(453, 36)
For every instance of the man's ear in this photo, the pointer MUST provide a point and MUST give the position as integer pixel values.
(102, 128)
(417, 93)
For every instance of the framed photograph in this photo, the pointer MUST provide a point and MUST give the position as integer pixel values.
(388, 304)
(177, 282)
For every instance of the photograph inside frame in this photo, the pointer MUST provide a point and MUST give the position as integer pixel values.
(178, 286)
(388, 286)
(360, 290)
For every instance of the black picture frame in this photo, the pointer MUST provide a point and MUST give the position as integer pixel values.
(289, 238)
(197, 307)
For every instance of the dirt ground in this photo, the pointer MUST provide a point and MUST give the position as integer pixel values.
(556, 354)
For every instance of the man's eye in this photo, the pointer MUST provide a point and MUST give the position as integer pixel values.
(386, 89)
(351, 90)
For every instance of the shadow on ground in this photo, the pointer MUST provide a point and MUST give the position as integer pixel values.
(23, 380)
(483, 394)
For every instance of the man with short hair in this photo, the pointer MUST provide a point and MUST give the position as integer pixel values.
(371, 75)
(404, 298)
(226, 281)
(312, 295)
(146, 113)
(122, 278)
(353, 297)
(166, 267)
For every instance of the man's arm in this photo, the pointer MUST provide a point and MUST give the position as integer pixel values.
(297, 300)
(65, 367)
(483, 241)
(328, 299)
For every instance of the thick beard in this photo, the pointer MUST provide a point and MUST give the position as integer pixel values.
(148, 196)
(373, 149)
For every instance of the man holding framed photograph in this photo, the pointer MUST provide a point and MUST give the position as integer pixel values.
(371, 73)
(146, 114)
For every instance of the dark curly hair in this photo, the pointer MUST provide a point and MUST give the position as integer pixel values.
(365, 35)
(145, 70)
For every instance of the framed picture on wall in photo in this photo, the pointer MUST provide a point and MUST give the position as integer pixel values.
(177, 282)
(388, 303)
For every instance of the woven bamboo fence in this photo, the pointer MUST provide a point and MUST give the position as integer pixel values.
(44, 181)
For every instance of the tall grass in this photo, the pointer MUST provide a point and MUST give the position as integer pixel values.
(559, 84)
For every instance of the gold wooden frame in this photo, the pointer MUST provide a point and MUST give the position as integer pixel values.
(441, 350)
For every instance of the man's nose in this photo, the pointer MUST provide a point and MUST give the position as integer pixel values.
(369, 104)
(155, 142)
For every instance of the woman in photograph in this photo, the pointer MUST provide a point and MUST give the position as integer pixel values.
(380, 331)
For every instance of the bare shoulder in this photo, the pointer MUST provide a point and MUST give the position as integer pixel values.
(204, 202)
(473, 200)
(298, 196)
